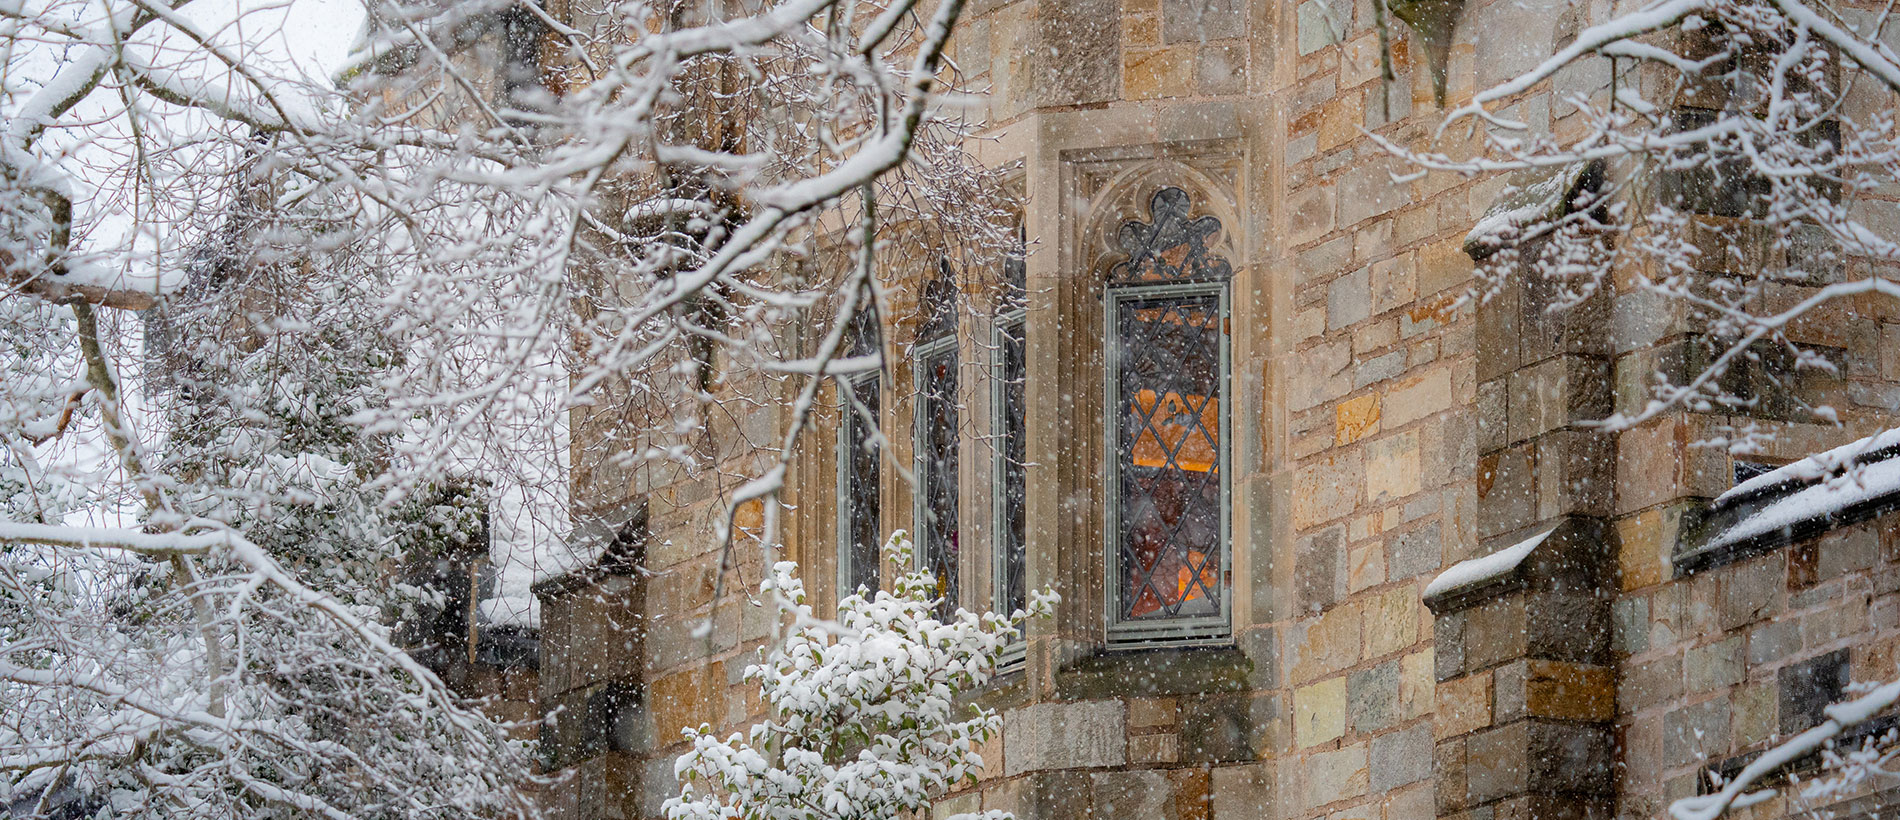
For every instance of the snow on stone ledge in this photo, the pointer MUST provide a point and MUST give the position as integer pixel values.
(1823, 501)
(1814, 467)
(1475, 572)
(1531, 196)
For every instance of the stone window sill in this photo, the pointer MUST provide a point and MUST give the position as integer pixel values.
(1157, 671)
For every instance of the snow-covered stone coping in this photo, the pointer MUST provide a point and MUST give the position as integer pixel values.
(1532, 197)
(1819, 465)
(1825, 502)
(1472, 573)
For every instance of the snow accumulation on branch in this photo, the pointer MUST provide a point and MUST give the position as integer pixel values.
(1475, 572)
(144, 543)
(1740, 792)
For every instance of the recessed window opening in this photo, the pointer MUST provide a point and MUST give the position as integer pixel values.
(935, 436)
(1167, 397)
(860, 523)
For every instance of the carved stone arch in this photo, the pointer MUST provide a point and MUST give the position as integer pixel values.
(1130, 197)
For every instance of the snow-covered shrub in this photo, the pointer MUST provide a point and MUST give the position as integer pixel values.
(864, 721)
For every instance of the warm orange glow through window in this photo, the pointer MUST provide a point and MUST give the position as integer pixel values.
(1172, 417)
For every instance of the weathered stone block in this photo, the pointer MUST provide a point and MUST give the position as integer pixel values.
(1378, 369)
(1416, 685)
(1568, 626)
(1417, 397)
(1392, 468)
(1242, 792)
(1221, 68)
(1751, 591)
(1348, 299)
(1415, 552)
(1324, 645)
(1368, 191)
(1372, 697)
(1222, 729)
(1394, 283)
(1391, 621)
(1507, 497)
(1327, 488)
(1309, 217)
(1495, 762)
(1464, 705)
(1576, 473)
(1713, 666)
(1064, 735)
(1773, 641)
(1629, 618)
(1319, 569)
(1448, 645)
(1449, 777)
(1400, 758)
(966, 803)
(1696, 732)
(1317, 28)
(1365, 567)
(1078, 52)
(1197, 21)
(1336, 775)
(1063, 795)
(1497, 631)
(1319, 712)
(1650, 683)
(1754, 713)
(1140, 793)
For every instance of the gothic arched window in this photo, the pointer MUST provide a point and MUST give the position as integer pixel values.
(1167, 363)
(935, 433)
(1009, 431)
(860, 525)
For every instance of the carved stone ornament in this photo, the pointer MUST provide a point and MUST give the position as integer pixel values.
(1171, 247)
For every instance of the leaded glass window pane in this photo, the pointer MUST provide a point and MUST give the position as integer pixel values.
(860, 524)
(1167, 353)
(860, 520)
(936, 445)
(1011, 432)
(1168, 448)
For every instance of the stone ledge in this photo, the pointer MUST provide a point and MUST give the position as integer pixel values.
(1156, 671)
(1575, 555)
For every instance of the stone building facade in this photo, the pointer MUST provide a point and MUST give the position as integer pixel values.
(1231, 404)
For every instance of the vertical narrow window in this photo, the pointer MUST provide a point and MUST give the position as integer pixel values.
(860, 524)
(1009, 430)
(1167, 403)
(934, 435)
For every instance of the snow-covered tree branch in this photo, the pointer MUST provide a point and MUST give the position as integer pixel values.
(864, 717)
(273, 328)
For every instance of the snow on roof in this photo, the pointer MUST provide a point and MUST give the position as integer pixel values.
(1824, 500)
(1475, 571)
(510, 610)
(1819, 465)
